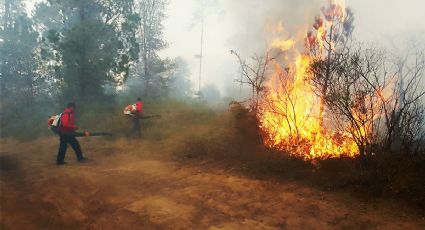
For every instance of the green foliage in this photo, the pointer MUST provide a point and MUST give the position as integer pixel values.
(21, 87)
(18, 42)
(93, 44)
(77, 50)
(151, 68)
(86, 51)
(26, 122)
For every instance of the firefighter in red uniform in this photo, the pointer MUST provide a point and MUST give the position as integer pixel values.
(136, 114)
(66, 132)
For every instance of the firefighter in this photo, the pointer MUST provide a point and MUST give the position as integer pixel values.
(135, 112)
(66, 134)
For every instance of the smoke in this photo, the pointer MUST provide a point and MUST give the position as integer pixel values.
(246, 26)
(254, 23)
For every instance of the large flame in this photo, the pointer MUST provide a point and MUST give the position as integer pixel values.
(289, 113)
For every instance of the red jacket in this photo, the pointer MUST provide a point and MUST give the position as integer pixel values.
(139, 106)
(67, 121)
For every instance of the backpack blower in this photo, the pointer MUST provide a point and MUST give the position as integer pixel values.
(54, 124)
(131, 111)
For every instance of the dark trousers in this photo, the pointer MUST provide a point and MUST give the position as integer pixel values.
(136, 127)
(64, 140)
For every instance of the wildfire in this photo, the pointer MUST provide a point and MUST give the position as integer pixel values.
(283, 44)
(289, 113)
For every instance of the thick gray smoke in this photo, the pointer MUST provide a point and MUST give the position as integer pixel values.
(254, 25)
(245, 26)
(254, 22)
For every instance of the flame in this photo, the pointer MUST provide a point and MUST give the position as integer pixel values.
(290, 119)
(283, 44)
(289, 112)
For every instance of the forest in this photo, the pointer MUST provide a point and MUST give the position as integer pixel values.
(316, 129)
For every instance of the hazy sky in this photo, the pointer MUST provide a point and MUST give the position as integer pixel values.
(243, 25)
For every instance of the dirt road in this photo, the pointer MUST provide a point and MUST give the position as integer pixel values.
(137, 186)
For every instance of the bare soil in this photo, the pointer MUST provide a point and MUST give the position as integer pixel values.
(132, 184)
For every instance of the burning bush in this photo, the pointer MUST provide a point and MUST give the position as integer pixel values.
(335, 99)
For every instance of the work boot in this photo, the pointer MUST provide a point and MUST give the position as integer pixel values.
(82, 160)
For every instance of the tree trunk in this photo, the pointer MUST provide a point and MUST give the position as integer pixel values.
(6, 13)
(145, 39)
(82, 63)
(322, 110)
(326, 83)
(253, 99)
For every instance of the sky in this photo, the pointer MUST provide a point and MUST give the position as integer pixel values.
(240, 25)
(247, 25)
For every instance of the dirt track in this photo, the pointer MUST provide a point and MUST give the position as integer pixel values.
(123, 187)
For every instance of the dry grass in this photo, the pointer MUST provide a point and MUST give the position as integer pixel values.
(191, 132)
(231, 140)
